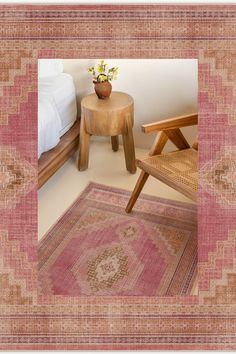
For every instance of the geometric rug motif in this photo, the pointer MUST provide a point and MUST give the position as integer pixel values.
(96, 249)
(218, 177)
(221, 77)
(17, 177)
(18, 78)
(221, 289)
(14, 270)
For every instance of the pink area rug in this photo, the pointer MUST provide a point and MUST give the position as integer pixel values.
(98, 249)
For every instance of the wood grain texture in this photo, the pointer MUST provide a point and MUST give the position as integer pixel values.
(107, 117)
(115, 142)
(53, 159)
(195, 145)
(172, 123)
(157, 148)
(177, 138)
(128, 142)
(158, 144)
(137, 190)
(83, 157)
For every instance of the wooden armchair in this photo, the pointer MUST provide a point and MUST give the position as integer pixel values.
(177, 169)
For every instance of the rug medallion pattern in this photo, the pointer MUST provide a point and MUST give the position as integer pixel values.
(144, 254)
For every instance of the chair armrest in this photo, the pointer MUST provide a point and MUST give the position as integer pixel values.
(171, 123)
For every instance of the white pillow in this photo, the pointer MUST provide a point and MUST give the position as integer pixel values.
(49, 67)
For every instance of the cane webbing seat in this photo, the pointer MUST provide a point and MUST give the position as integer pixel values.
(178, 169)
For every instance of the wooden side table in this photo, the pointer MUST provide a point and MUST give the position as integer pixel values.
(110, 117)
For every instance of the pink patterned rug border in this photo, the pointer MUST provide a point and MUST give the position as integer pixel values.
(205, 32)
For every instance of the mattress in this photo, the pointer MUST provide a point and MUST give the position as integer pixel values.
(57, 109)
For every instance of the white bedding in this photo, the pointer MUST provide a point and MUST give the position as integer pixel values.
(49, 123)
(57, 110)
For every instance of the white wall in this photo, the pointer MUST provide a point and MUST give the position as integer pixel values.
(161, 88)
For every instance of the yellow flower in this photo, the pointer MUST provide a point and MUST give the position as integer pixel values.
(101, 73)
(100, 69)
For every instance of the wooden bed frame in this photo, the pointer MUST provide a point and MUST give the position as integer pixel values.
(50, 161)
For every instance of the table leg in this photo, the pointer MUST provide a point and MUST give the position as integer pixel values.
(83, 147)
(129, 151)
(115, 143)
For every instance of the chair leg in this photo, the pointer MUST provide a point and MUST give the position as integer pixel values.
(137, 190)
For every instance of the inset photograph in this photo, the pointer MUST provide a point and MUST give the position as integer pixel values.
(117, 177)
